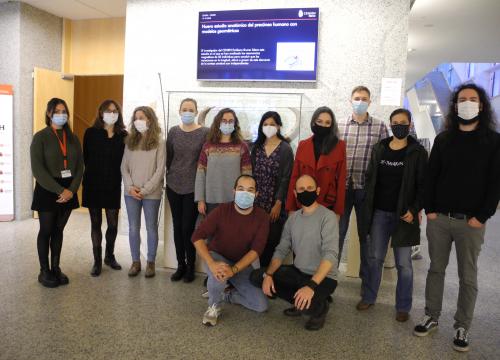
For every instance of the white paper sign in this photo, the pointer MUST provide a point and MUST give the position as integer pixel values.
(6, 154)
(390, 91)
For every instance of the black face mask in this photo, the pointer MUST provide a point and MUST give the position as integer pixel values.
(320, 131)
(400, 131)
(307, 198)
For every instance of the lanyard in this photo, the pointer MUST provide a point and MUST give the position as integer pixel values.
(62, 145)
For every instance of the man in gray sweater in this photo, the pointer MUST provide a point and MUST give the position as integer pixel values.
(312, 234)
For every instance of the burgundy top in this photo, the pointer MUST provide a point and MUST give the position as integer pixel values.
(234, 234)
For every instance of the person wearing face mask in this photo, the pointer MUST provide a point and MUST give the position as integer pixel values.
(143, 170)
(311, 233)
(184, 143)
(322, 156)
(239, 233)
(462, 193)
(360, 132)
(223, 158)
(103, 147)
(57, 166)
(272, 163)
(394, 197)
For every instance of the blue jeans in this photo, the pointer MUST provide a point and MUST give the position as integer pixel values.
(356, 198)
(151, 208)
(244, 293)
(383, 225)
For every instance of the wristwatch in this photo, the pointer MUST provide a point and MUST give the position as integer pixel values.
(312, 284)
(266, 274)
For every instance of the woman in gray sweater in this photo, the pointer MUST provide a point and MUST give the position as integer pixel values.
(143, 170)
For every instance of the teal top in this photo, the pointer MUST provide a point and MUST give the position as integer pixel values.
(47, 160)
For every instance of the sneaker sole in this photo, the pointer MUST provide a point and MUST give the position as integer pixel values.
(460, 349)
(208, 323)
(421, 334)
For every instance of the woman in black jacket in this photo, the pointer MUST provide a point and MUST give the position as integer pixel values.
(272, 163)
(103, 146)
(394, 198)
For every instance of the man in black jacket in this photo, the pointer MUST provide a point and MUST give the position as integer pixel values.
(462, 193)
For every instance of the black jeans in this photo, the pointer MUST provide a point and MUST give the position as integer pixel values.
(50, 236)
(288, 280)
(111, 231)
(275, 230)
(184, 214)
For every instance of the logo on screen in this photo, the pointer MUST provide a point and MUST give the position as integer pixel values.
(301, 13)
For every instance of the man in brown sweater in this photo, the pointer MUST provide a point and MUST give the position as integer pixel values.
(239, 233)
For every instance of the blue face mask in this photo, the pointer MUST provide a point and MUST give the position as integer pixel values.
(244, 199)
(187, 117)
(226, 128)
(359, 107)
(59, 119)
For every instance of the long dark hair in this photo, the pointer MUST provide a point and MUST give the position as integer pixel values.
(261, 137)
(487, 121)
(99, 122)
(214, 135)
(331, 140)
(51, 107)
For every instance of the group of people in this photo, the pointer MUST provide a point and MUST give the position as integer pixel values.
(274, 224)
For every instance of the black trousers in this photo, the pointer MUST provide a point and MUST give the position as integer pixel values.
(111, 231)
(50, 236)
(184, 215)
(288, 279)
(275, 230)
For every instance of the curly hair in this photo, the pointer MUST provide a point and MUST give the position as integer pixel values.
(215, 134)
(151, 139)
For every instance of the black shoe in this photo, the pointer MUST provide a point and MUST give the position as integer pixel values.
(110, 260)
(461, 340)
(427, 325)
(97, 268)
(47, 279)
(317, 322)
(179, 273)
(62, 279)
(292, 312)
(189, 274)
(205, 282)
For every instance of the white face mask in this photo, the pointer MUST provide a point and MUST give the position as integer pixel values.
(110, 118)
(269, 130)
(141, 125)
(468, 110)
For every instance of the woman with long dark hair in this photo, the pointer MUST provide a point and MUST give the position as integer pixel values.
(462, 193)
(103, 146)
(323, 156)
(57, 165)
(272, 163)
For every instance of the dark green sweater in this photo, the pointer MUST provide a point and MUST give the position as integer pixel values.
(47, 160)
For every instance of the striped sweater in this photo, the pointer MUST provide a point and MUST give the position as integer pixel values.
(219, 166)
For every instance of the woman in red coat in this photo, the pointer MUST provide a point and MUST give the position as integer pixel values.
(322, 156)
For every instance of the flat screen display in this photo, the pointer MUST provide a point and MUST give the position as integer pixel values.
(258, 45)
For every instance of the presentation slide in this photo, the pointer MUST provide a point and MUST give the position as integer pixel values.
(258, 45)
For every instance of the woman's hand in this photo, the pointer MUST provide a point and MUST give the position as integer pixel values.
(65, 196)
(135, 192)
(202, 207)
(408, 217)
(275, 211)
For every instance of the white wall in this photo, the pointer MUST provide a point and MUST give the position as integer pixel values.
(360, 42)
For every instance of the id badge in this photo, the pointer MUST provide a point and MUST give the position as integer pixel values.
(66, 174)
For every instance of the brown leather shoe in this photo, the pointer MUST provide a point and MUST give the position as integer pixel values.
(135, 268)
(150, 269)
(402, 316)
(362, 306)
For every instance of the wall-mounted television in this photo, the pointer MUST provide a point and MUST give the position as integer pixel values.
(258, 45)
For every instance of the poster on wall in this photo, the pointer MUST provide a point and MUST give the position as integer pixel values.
(258, 45)
(6, 154)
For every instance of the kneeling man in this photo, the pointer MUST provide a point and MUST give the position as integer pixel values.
(312, 234)
(238, 233)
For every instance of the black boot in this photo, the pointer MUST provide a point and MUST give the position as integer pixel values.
(317, 321)
(97, 268)
(179, 274)
(110, 259)
(189, 274)
(47, 279)
(56, 271)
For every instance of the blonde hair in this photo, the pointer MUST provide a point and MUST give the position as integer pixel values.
(151, 139)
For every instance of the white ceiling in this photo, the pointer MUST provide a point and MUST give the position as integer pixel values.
(445, 31)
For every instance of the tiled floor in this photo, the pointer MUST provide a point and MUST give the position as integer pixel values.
(114, 317)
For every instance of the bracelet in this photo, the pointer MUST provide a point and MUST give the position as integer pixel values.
(312, 284)
(234, 269)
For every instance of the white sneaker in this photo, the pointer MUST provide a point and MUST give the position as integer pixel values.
(204, 295)
(211, 315)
